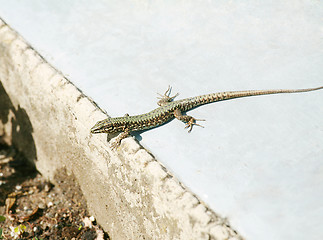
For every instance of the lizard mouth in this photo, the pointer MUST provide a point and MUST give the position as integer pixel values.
(98, 127)
(95, 130)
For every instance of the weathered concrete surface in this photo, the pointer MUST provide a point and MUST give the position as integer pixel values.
(128, 191)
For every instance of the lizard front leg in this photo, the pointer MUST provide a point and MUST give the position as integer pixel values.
(117, 141)
(188, 120)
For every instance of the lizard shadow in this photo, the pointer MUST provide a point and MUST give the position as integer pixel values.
(136, 134)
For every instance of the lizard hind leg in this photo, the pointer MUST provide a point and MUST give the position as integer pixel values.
(164, 99)
(192, 122)
(188, 120)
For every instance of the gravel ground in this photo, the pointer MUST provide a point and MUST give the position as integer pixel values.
(33, 208)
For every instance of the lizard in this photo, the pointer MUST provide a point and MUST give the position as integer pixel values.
(169, 109)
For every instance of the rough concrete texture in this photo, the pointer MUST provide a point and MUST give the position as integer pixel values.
(128, 191)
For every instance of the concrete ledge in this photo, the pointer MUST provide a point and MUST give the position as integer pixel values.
(128, 191)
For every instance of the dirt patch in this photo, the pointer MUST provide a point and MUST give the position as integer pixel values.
(33, 208)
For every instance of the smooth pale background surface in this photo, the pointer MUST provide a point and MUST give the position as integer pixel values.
(258, 161)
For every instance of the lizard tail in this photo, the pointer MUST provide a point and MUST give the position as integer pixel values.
(215, 97)
(237, 94)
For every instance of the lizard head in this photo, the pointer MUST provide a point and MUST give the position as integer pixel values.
(104, 126)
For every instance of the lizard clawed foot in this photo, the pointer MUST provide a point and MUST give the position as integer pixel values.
(166, 98)
(115, 144)
(192, 122)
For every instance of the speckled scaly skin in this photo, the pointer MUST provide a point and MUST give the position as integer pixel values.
(170, 109)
